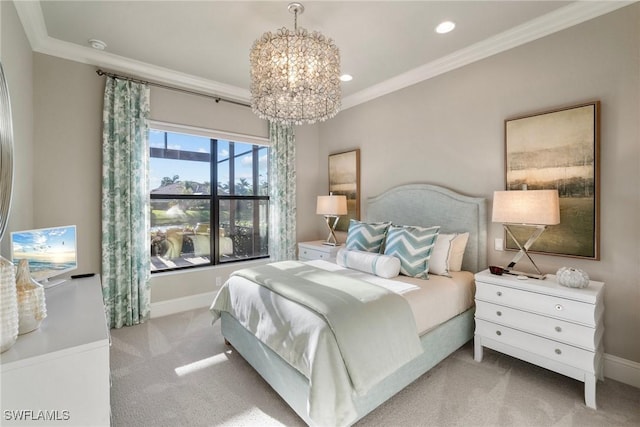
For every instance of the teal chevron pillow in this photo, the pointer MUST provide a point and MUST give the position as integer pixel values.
(368, 237)
(413, 245)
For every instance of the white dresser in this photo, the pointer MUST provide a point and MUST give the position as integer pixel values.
(544, 323)
(59, 374)
(317, 250)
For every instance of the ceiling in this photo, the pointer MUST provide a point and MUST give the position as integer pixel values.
(204, 45)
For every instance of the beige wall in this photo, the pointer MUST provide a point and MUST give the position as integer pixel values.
(449, 131)
(68, 152)
(17, 64)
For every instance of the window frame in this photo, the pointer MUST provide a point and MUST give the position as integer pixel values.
(214, 198)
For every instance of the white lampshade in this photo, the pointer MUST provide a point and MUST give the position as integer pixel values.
(540, 207)
(331, 205)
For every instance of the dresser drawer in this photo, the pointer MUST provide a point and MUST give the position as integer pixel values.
(548, 305)
(555, 329)
(550, 349)
(310, 254)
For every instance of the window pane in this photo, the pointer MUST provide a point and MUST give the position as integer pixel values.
(243, 179)
(263, 171)
(188, 143)
(223, 166)
(156, 138)
(243, 229)
(182, 167)
(180, 234)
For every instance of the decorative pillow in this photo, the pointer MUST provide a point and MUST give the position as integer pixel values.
(447, 253)
(378, 264)
(413, 246)
(458, 245)
(366, 237)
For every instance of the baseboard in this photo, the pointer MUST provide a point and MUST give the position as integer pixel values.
(622, 370)
(178, 305)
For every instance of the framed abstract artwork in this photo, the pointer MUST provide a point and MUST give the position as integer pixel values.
(559, 149)
(344, 179)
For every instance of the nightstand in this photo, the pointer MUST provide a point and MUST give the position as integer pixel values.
(544, 323)
(317, 250)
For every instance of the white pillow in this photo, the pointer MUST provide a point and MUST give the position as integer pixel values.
(448, 253)
(456, 253)
(381, 265)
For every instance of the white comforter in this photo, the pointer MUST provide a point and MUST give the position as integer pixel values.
(303, 338)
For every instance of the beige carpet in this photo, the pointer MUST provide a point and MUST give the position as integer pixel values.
(176, 371)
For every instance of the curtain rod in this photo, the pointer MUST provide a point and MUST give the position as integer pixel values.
(177, 89)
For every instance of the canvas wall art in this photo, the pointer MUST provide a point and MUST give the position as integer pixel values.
(559, 149)
(344, 179)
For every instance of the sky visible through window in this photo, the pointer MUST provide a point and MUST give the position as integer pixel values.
(195, 170)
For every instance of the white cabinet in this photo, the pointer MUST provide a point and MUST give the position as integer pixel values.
(544, 323)
(59, 373)
(317, 250)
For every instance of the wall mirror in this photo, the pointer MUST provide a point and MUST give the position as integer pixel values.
(6, 153)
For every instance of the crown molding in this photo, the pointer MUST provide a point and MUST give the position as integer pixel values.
(30, 14)
(560, 19)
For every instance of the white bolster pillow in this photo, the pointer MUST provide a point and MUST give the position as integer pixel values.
(368, 262)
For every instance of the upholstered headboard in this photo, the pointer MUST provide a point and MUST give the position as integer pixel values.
(427, 205)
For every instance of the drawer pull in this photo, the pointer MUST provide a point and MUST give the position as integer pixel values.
(499, 313)
(558, 329)
(559, 307)
(498, 333)
(499, 293)
(558, 351)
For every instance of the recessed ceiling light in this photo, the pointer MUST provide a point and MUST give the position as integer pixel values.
(97, 44)
(445, 27)
(346, 78)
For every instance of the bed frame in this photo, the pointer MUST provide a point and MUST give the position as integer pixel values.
(413, 204)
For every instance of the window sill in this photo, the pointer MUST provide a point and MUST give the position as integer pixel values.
(232, 265)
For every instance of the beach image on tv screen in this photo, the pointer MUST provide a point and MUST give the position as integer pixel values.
(50, 251)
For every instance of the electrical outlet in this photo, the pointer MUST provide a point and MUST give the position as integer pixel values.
(498, 244)
(218, 281)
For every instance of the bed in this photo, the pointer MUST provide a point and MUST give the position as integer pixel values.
(311, 395)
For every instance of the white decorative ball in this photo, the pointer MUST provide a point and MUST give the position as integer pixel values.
(572, 277)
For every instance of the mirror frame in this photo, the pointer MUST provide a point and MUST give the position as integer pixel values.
(6, 153)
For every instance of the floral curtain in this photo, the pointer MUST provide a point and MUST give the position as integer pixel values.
(282, 192)
(125, 203)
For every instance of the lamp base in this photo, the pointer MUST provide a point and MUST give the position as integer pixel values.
(331, 238)
(539, 229)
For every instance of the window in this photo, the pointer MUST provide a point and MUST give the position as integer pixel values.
(194, 223)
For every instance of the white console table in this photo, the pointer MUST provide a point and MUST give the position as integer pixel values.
(61, 370)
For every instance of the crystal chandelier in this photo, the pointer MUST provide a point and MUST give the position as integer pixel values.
(295, 75)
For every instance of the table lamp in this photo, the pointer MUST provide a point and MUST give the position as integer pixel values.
(533, 208)
(331, 207)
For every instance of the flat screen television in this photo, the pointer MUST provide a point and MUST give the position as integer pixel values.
(51, 252)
